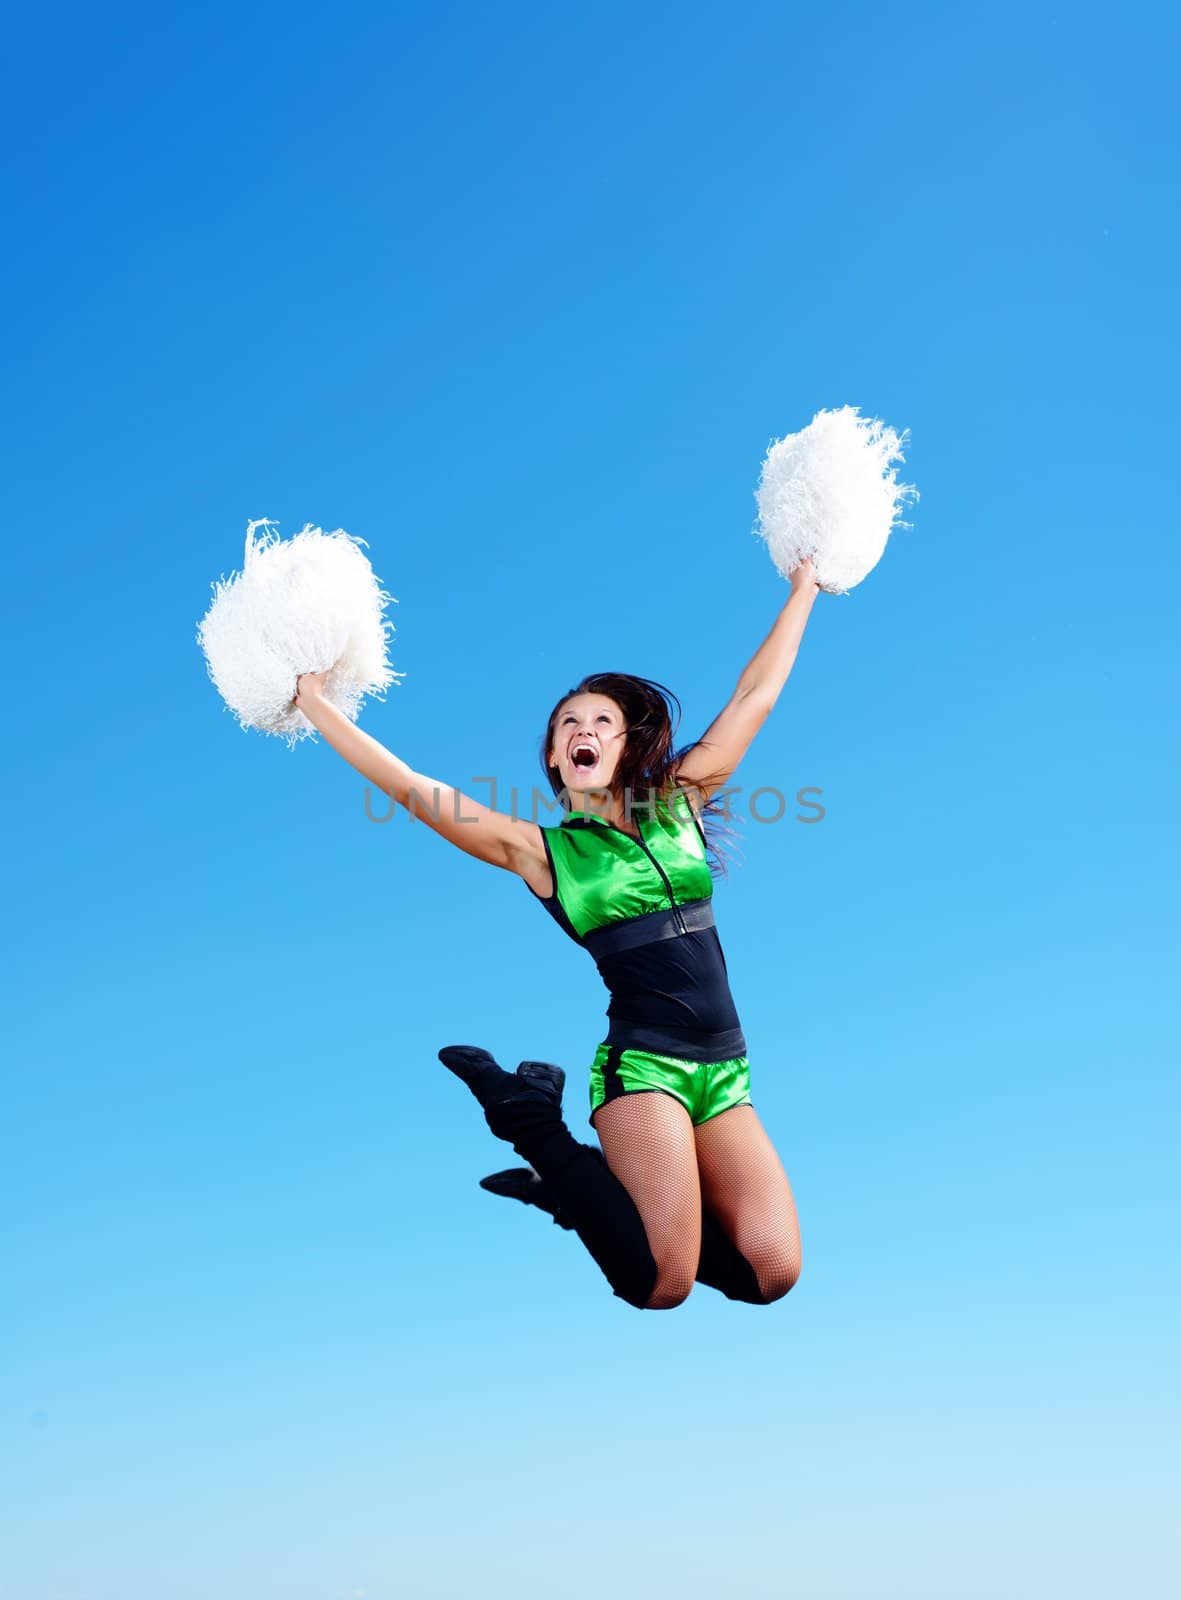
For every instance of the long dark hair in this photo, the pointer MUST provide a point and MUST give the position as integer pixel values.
(644, 775)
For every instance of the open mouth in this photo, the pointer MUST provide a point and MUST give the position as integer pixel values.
(584, 756)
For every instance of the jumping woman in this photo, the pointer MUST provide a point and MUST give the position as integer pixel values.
(687, 1186)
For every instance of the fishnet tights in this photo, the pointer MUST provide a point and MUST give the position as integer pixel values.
(728, 1165)
(647, 1139)
(744, 1185)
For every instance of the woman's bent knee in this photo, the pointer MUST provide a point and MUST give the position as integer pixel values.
(667, 1299)
(777, 1279)
(653, 1287)
(671, 1290)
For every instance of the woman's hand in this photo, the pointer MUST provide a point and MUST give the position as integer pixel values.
(309, 690)
(803, 575)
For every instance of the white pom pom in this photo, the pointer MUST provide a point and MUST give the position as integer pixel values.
(830, 493)
(308, 604)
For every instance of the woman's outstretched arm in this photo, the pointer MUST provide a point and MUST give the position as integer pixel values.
(710, 762)
(508, 842)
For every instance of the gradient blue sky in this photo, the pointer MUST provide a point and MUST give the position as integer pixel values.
(520, 296)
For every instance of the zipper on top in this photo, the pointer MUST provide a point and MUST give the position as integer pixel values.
(668, 886)
(680, 916)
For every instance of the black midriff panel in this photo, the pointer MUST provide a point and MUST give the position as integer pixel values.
(678, 984)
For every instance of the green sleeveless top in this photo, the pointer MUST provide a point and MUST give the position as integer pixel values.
(603, 875)
(643, 909)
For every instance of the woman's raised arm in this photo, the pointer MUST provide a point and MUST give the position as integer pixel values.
(710, 762)
(508, 842)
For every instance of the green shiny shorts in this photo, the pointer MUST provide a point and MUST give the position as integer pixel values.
(704, 1088)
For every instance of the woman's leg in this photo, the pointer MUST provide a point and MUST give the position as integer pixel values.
(743, 1183)
(659, 1165)
(647, 1139)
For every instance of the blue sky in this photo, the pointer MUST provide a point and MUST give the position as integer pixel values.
(520, 297)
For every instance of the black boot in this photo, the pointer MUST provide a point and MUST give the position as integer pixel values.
(522, 1183)
(511, 1100)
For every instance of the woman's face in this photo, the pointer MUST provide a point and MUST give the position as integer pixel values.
(587, 742)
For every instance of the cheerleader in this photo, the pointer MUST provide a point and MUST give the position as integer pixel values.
(687, 1185)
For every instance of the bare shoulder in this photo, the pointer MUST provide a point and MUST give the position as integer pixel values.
(527, 857)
